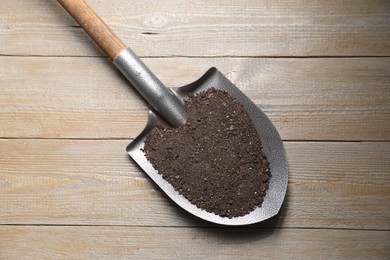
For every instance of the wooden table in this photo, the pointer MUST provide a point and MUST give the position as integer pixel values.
(319, 69)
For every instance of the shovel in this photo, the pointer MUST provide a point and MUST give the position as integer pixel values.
(167, 109)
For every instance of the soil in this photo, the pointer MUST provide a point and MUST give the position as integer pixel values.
(215, 160)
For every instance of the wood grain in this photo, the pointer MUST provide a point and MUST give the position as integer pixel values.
(341, 99)
(204, 28)
(94, 182)
(190, 243)
(319, 69)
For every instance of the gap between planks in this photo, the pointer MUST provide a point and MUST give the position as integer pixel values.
(203, 56)
(131, 139)
(210, 226)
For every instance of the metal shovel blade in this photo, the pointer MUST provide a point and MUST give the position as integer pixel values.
(272, 147)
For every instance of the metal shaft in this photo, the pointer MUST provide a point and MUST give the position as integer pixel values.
(161, 98)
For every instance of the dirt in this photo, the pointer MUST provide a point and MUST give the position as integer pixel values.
(216, 160)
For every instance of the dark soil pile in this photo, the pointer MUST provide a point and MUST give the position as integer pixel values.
(215, 160)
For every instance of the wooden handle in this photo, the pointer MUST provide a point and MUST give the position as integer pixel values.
(107, 40)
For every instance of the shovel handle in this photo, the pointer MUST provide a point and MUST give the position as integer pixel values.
(96, 28)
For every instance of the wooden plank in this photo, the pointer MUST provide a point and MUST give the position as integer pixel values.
(204, 28)
(41, 242)
(341, 99)
(47, 97)
(93, 182)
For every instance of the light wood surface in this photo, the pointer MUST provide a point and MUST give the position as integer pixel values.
(307, 99)
(93, 182)
(205, 28)
(319, 69)
(203, 243)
